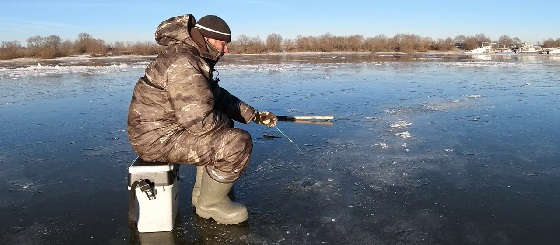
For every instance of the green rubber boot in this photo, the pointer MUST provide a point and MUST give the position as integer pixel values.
(214, 202)
(196, 188)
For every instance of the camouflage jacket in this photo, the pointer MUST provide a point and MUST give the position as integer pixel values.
(177, 94)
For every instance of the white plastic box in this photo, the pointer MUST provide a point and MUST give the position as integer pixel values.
(157, 204)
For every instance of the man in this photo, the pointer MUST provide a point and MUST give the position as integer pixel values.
(180, 114)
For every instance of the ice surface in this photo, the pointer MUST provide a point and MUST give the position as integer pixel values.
(409, 155)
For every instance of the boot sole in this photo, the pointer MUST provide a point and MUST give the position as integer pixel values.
(225, 221)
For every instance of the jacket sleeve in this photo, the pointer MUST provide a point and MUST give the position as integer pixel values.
(234, 107)
(192, 99)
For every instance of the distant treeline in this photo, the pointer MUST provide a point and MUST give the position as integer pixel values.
(407, 43)
(53, 46)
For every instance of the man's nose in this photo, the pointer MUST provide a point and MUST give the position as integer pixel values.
(226, 50)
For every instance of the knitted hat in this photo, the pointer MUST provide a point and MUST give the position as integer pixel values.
(212, 26)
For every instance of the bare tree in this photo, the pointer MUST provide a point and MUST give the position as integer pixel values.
(119, 48)
(257, 46)
(52, 45)
(44, 47)
(240, 45)
(549, 43)
(34, 44)
(355, 43)
(87, 44)
(96, 47)
(11, 50)
(325, 43)
(274, 43)
(459, 38)
(505, 41)
(481, 39)
(443, 44)
(66, 48)
(378, 43)
(289, 45)
(245, 44)
(82, 43)
(470, 43)
(516, 42)
(305, 44)
(144, 48)
(476, 41)
(407, 43)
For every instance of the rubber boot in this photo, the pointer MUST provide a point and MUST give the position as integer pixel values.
(214, 202)
(196, 188)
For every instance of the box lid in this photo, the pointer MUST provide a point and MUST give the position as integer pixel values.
(140, 166)
(157, 173)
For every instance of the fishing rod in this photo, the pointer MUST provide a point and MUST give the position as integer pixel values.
(305, 118)
(319, 120)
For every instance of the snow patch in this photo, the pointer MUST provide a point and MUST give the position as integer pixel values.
(400, 124)
(49, 70)
(284, 67)
(404, 135)
(382, 145)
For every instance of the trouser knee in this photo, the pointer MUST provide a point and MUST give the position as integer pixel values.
(233, 155)
(244, 143)
(240, 149)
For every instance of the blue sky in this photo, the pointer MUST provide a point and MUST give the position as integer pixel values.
(136, 20)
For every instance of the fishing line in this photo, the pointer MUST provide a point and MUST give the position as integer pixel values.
(289, 138)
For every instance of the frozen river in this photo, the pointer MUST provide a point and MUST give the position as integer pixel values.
(423, 150)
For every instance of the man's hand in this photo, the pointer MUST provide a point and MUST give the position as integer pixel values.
(265, 118)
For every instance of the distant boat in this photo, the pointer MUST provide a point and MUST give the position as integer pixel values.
(481, 50)
(485, 49)
(504, 51)
(528, 48)
(554, 51)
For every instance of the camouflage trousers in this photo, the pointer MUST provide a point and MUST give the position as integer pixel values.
(225, 153)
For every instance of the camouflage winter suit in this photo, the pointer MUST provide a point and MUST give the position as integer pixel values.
(179, 114)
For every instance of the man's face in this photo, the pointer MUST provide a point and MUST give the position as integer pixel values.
(218, 45)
